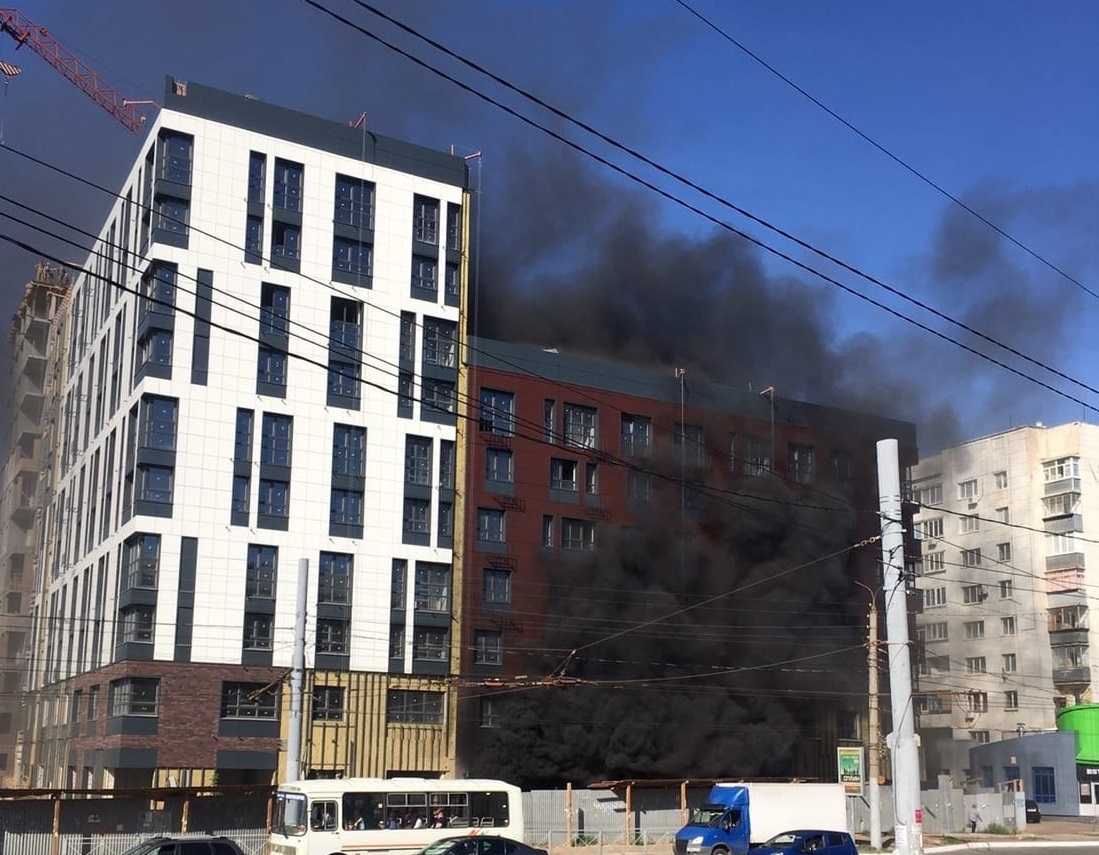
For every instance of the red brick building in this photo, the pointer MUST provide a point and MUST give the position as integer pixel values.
(580, 468)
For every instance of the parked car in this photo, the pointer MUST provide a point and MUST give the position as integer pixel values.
(479, 844)
(808, 840)
(1033, 813)
(186, 844)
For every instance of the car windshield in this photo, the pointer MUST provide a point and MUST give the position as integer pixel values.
(707, 815)
(784, 839)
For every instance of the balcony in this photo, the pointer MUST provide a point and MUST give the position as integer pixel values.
(1063, 677)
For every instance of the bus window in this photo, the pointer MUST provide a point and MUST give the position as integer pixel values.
(322, 816)
(489, 809)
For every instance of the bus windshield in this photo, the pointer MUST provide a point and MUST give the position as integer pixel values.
(291, 813)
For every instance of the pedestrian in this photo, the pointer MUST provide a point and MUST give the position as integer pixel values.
(973, 818)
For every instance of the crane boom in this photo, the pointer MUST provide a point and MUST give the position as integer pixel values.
(26, 32)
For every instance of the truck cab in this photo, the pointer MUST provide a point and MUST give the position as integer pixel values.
(721, 826)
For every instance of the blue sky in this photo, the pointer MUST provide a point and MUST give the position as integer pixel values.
(992, 100)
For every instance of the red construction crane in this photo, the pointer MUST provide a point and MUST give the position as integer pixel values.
(26, 32)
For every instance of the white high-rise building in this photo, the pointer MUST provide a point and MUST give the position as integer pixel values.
(259, 369)
(1008, 579)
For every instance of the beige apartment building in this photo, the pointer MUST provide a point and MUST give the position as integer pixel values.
(1008, 578)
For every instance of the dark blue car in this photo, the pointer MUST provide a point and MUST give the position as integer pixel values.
(806, 840)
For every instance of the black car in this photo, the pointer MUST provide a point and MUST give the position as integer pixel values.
(1033, 813)
(479, 844)
(808, 840)
(185, 844)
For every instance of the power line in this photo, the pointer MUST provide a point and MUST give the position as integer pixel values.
(895, 158)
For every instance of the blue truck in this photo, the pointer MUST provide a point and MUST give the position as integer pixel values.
(737, 816)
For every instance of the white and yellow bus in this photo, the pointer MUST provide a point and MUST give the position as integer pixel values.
(328, 816)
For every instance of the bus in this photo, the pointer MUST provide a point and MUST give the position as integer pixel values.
(332, 815)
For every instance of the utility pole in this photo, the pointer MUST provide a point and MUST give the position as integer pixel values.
(907, 810)
(297, 677)
(874, 734)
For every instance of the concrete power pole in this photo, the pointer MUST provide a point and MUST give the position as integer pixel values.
(297, 677)
(873, 748)
(908, 812)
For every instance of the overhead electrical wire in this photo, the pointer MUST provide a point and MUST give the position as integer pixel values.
(930, 182)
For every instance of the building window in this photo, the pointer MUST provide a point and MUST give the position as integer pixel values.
(408, 337)
(348, 450)
(417, 460)
(971, 558)
(285, 240)
(1009, 664)
(487, 647)
(934, 597)
(134, 696)
(334, 578)
(407, 707)
(577, 534)
(175, 152)
(398, 584)
(839, 466)
(973, 593)
(974, 629)
(253, 239)
(637, 435)
(446, 464)
(154, 348)
(977, 701)
(345, 324)
(257, 177)
(249, 700)
(431, 643)
(274, 498)
(440, 343)
(931, 529)
(352, 256)
(432, 592)
(155, 483)
(1007, 589)
(757, 456)
(332, 636)
(499, 465)
(406, 394)
(591, 478)
(346, 507)
(799, 463)
(580, 429)
(417, 516)
(975, 665)
(547, 531)
(136, 624)
(490, 525)
(354, 202)
(438, 395)
(242, 441)
(969, 523)
(563, 474)
(639, 486)
(274, 310)
(1007, 625)
(446, 520)
(489, 712)
(497, 412)
(1003, 552)
(328, 703)
(271, 366)
(1068, 617)
(276, 439)
(425, 276)
(396, 641)
(452, 284)
(932, 494)
(344, 381)
(241, 497)
(1061, 505)
(933, 631)
(1064, 467)
(690, 445)
(425, 220)
(1011, 700)
(454, 227)
(934, 562)
(171, 214)
(288, 185)
(1045, 785)
(261, 570)
(496, 586)
(967, 490)
(158, 422)
(979, 736)
(258, 631)
(141, 561)
(1061, 544)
